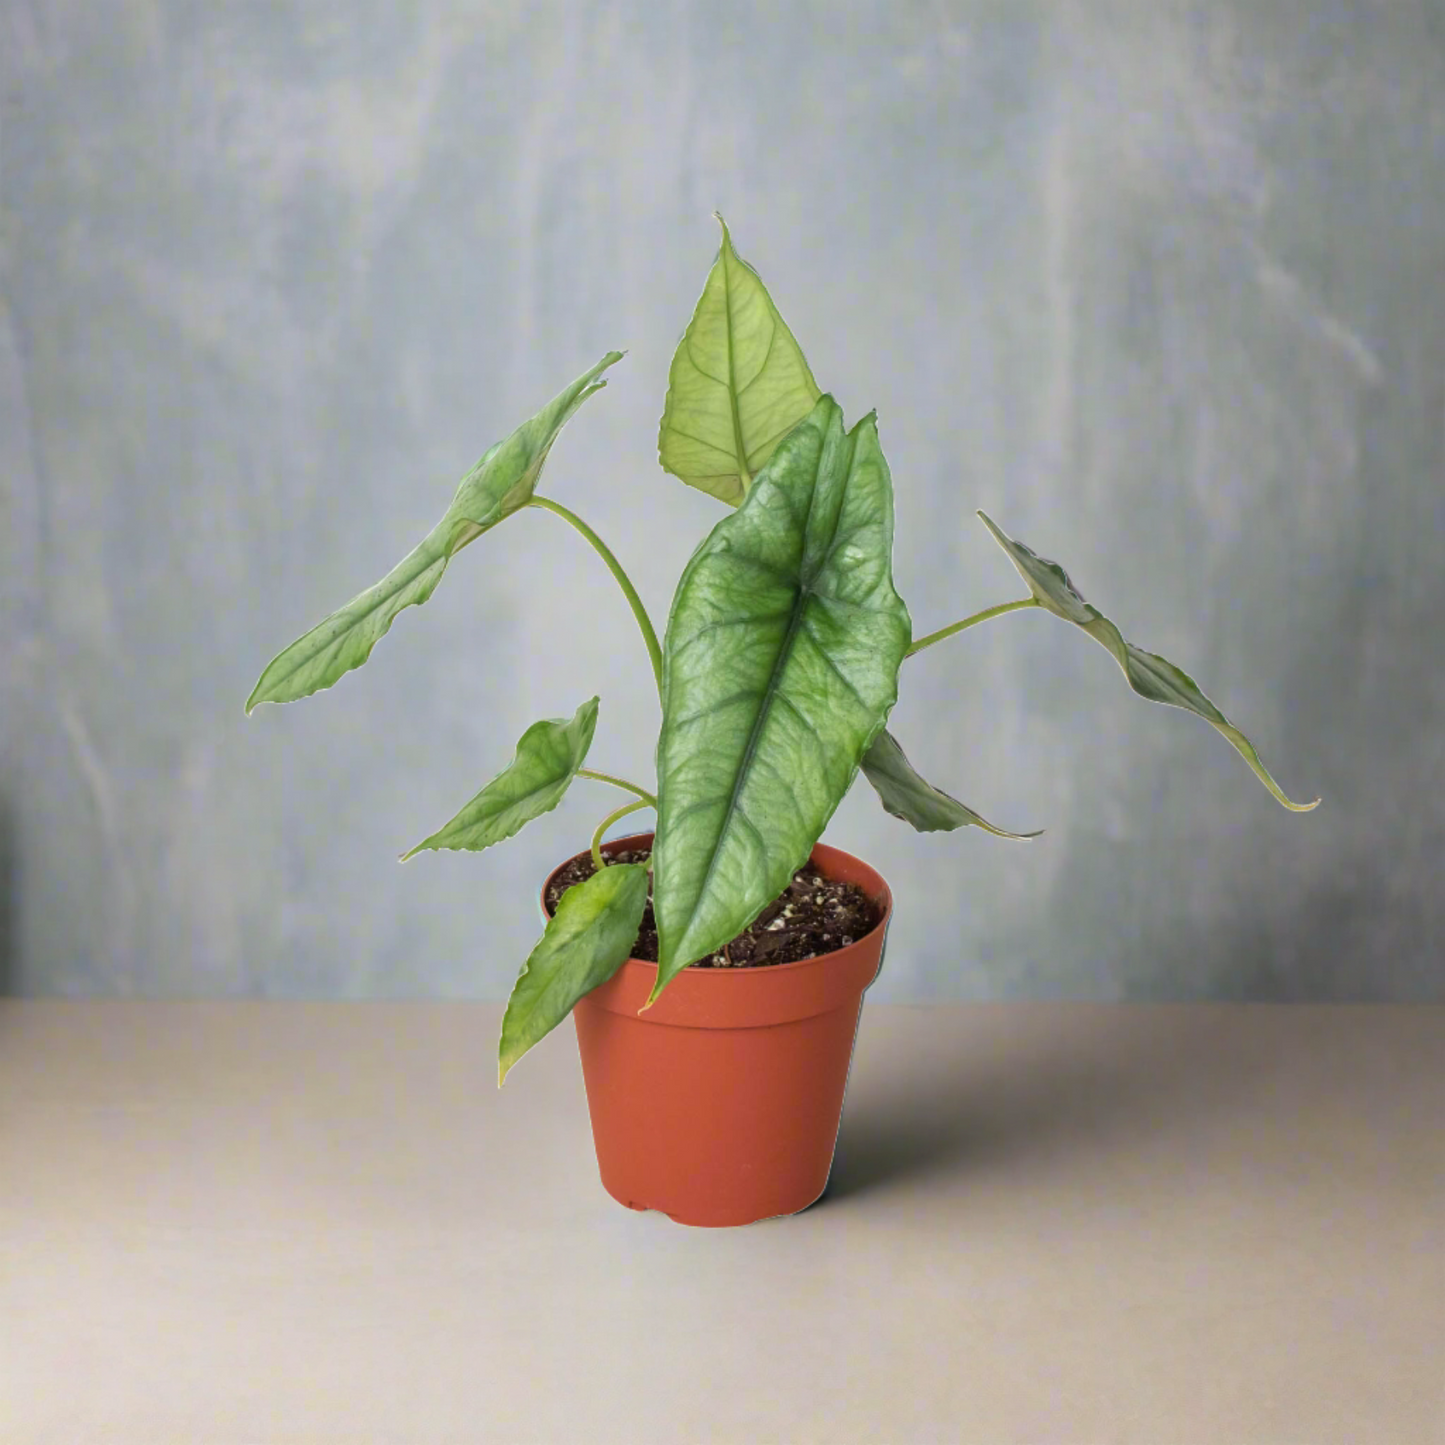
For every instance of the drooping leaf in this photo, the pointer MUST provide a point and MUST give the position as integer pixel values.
(547, 758)
(906, 795)
(497, 486)
(585, 942)
(1150, 675)
(779, 669)
(738, 383)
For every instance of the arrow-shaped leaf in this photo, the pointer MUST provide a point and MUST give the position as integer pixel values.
(779, 669)
(497, 486)
(585, 942)
(738, 383)
(547, 758)
(906, 795)
(1150, 675)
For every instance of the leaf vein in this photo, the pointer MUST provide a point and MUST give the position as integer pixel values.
(699, 369)
(745, 762)
(836, 670)
(772, 337)
(701, 441)
(731, 622)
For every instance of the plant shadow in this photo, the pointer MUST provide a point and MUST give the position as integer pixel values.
(1032, 1102)
(1059, 1077)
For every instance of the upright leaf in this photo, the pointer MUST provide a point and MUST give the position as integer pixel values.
(905, 795)
(585, 942)
(497, 486)
(547, 758)
(1150, 675)
(780, 667)
(738, 383)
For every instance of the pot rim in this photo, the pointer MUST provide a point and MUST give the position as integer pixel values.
(751, 997)
(884, 901)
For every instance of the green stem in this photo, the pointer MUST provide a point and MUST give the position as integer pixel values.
(619, 783)
(654, 651)
(969, 622)
(607, 822)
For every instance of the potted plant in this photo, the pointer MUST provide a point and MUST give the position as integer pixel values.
(715, 971)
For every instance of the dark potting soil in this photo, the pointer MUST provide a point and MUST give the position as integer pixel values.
(812, 915)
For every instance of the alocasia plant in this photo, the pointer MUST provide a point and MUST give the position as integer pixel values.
(778, 671)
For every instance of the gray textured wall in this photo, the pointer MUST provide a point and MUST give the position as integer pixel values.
(1160, 287)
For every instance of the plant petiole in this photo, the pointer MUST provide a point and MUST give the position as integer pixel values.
(618, 783)
(649, 636)
(606, 823)
(983, 616)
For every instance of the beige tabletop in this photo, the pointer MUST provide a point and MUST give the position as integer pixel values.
(246, 1223)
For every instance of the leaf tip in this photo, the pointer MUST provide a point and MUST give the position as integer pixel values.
(998, 534)
(864, 426)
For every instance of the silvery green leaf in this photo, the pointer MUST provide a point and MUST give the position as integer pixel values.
(585, 942)
(547, 758)
(1150, 675)
(906, 795)
(497, 486)
(779, 669)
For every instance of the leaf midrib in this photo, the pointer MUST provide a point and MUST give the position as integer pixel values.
(745, 764)
(743, 474)
(785, 651)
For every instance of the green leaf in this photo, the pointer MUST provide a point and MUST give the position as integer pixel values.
(779, 669)
(547, 758)
(497, 486)
(586, 941)
(738, 383)
(905, 795)
(1150, 675)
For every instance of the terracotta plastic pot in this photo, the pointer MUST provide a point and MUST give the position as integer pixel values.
(721, 1104)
